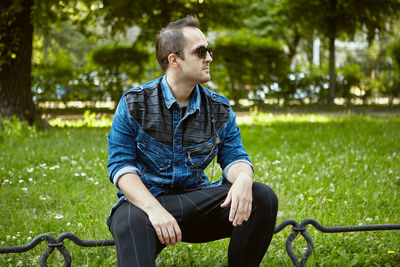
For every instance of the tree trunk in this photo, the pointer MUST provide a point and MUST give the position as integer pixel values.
(332, 73)
(16, 69)
(332, 36)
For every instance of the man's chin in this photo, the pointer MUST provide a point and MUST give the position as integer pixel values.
(206, 79)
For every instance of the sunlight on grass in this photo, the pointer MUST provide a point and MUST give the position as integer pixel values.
(89, 120)
(268, 118)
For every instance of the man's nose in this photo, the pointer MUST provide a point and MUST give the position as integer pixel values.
(208, 57)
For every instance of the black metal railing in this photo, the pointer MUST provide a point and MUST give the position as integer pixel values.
(53, 243)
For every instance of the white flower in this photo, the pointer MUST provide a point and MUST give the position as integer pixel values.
(44, 165)
(76, 174)
(21, 181)
(24, 189)
(42, 198)
(79, 225)
(64, 158)
(368, 219)
(54, 167)
(30, 170)
(276, 162)
(83, 174)
(30, 179)
(332, 187)
(58, 216)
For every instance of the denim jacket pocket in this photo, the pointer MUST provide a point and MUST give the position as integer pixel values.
(153, 153)
(200, 156)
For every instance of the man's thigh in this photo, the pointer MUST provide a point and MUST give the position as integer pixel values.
(199, 213)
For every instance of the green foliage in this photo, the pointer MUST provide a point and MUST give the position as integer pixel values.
(15, 130)
(152, 16)
(352, 76)
(341, 18)
(90, 119)
(249, 62)
(117, 61)
(394, 53)
(56, 73)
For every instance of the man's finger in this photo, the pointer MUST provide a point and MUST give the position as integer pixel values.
(227, 200)
(233, 211)
(159, 235)
(178, 233)
(172, 236)
(239, 214)
(166, 237)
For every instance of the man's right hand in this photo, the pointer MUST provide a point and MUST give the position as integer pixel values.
(166, 227)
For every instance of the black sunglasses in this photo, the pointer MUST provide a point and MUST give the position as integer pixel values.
(202, 51)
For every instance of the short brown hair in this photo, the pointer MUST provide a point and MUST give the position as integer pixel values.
(171, 39)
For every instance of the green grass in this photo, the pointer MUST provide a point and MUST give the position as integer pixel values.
(339, 170)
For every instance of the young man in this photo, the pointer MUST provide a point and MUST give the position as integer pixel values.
(164, 134)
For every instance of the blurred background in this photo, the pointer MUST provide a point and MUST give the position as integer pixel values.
(67, 56)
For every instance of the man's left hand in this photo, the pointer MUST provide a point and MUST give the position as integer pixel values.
(240, 197)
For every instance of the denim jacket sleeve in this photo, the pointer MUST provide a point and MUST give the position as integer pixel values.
(121, 144)
(231, 150)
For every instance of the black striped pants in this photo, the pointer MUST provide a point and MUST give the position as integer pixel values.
(201, 219)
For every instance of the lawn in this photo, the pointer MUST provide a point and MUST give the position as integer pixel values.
(339, 170)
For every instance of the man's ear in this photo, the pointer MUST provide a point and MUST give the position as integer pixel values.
(173, 60)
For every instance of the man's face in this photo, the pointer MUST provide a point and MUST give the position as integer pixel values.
(193, 68)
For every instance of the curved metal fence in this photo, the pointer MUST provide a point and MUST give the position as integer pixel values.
(53, 243)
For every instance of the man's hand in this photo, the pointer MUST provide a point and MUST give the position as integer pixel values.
(167, 229)
(165, 225)
(240, 196)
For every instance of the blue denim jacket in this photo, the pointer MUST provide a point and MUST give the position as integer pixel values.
(169, 150)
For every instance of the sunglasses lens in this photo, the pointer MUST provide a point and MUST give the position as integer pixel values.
(202, 51)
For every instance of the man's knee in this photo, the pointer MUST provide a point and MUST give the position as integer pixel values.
(125, 218)
(265, 197)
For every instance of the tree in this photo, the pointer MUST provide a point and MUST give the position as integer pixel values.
(16, 34)
(269, 18)
(150, 16)
(19, 18)
(249, 62)
(338, 18)
(17, 23)
(115, 60)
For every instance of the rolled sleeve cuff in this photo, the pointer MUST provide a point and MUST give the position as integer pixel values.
(225, 171)
(125, 170)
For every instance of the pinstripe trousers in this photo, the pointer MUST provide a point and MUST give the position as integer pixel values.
(201, 219)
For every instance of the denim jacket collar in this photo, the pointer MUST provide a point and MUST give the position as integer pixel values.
(194, 103)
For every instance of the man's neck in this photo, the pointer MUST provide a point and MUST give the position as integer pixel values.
(181, 90)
